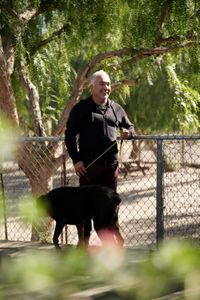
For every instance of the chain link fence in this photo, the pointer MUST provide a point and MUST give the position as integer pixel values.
(159, 183)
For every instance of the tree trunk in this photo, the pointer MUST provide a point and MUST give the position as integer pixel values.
(7, 98)
(33, 96)
(38, 162)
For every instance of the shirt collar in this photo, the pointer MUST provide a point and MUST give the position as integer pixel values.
(108, 103)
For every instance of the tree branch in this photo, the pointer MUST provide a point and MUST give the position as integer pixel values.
(44, 42)
(7, 98)
(34, 99)
(166, 45)
(84, 75)
(163, 14)
(28, 15)
(130, 82)
(8, 10)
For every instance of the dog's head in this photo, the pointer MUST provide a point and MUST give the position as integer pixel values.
(106, 213)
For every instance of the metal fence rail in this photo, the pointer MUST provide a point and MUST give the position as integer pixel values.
(159, 184)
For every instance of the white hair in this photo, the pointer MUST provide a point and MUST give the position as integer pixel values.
(98, 74)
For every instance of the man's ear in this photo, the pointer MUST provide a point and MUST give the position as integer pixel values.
(91, 87)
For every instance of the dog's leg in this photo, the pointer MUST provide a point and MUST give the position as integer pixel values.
(117, 234)
(81, 236)
(57, 232)
(87, 231)
(114, 227)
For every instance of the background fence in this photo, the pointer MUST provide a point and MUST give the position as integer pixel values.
(159, 184)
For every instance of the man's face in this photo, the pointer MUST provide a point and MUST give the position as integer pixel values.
(101, 89)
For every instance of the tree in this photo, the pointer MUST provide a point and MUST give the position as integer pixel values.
(37, 20)
(126, 38)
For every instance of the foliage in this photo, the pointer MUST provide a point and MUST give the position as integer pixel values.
(53, 83)
(53, 68)
(167, 100)
(7, 139)
(64, 36)
(45, 274)
(187, 103)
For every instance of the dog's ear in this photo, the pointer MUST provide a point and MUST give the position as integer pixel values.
(116, 198)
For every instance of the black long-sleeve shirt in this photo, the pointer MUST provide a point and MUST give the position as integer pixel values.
(91, 129)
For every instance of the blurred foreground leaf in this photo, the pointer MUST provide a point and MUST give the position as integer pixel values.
(7, 139)
(46, 274)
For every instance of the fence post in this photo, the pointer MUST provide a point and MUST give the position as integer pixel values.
(4, 207)
(159, 193)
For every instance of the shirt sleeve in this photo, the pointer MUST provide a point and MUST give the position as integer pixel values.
(124, 121)
(71, 132)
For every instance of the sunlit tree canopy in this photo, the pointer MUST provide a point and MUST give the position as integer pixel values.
(149, 48)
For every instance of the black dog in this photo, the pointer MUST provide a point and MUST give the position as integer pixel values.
(74, 205)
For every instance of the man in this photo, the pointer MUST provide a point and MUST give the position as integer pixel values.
(95, 121)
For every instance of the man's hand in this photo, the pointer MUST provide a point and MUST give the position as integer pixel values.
(124, 133)
(80, 168)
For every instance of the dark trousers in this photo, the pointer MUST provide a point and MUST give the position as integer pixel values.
(102, 174)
